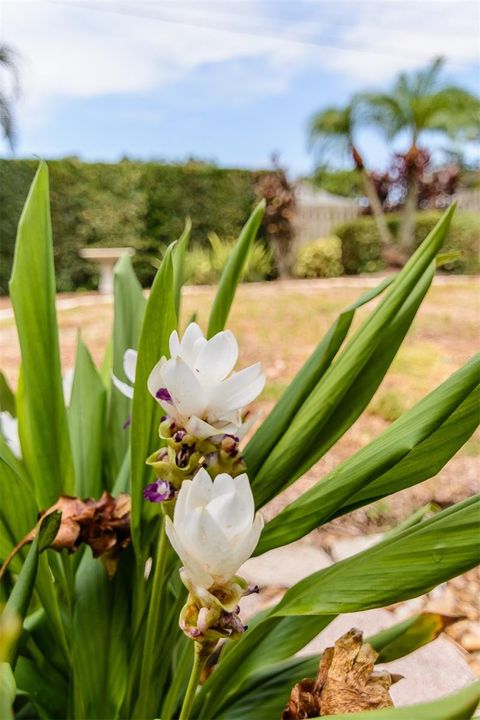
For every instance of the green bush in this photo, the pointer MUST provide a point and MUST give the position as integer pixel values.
(143, 205)
(204, 265)
(319, 258)
(362, 248)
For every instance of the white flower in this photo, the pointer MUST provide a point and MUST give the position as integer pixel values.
(215, 528)
(197, 388)
(129, 368)
(9, 430)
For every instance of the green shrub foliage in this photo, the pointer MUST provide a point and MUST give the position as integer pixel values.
(319, 258)
(204, 265)
(362, 249)
(143, 205)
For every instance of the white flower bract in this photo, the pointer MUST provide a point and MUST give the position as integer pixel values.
(9, 430)
(197, 387)
(215, 528)
(129, 368)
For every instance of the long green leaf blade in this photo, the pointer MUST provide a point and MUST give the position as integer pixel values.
(233, 271)
(302, 386)
(399, 457)
(86, 418)
(32, 290)
(304, 441)
(129, 309)
(159, 322)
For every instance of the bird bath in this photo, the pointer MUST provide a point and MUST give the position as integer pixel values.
(106, 259)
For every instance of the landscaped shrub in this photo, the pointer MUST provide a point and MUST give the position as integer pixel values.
(143, 205)
(204, 266)
(319, 258)
(362, 249)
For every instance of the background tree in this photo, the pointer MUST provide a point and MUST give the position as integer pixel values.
(332, 131)
(418, 103)
(8, 92)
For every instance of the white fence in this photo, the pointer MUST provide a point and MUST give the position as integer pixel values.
(318, 213)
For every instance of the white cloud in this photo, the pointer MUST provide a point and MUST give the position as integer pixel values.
(388, 36)
(91, 49)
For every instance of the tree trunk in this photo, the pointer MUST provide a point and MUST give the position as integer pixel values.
(377, 210)
(373, 199)
(407, 230)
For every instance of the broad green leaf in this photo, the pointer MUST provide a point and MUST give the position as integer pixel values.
(365, 386)
(179, 262)
(21, 595)
(32, 290)
(8, 691)
(427, 458)
(278, 421)
(460, 706)
(232, 272)
(46, 688)
(129, 309)
(159, 322)
(409, 635)
(406, 565)
(100, 639)
(305, 440)
(7, 398)
(18, 509)
(410, 450)
(86, 418)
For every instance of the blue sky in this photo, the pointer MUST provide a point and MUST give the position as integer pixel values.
(224, 81)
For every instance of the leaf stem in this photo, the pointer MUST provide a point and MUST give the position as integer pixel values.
(198, 663)
(153, 624)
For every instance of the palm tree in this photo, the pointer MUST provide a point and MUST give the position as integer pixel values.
(420, 102)
(332, 131)
(8, 61)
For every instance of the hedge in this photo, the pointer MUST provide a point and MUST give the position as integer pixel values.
(362, 248)
(143, 205)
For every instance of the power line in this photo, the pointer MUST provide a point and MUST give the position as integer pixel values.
(127, 9)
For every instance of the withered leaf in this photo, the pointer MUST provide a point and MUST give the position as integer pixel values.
(346, 682)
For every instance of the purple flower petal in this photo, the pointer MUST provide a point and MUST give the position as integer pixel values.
(163, 394)
(159, 491)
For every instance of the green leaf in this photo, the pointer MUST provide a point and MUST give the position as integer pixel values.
(46, 688)
(32, 290)
(8, 691)
(129, 310)
(21, 595)
(267, 692)
(86, 417)
(460, 706)
(232, 272)
(403, 566)
(314, 428)
(278, 421)
(100, 639)
(18, 509)
(410, 450)
(7, 398)
(179, 263)
(403, 638)
(159, 322)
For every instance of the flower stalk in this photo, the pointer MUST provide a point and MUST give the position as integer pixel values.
(200, 658)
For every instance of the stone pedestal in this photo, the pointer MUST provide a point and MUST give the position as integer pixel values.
(106, 259)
